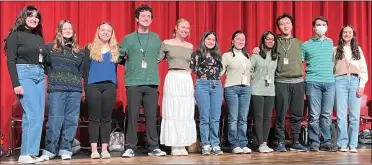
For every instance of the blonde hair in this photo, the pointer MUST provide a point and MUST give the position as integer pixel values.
(177, 23)
(59, 42)
(96, 46)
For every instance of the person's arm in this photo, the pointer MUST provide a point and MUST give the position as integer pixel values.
(253, 62)
(194, 61)
(11, 51)
(363, 74)
(303, 52)
(123, 51)
(162, 52)
(224, 64)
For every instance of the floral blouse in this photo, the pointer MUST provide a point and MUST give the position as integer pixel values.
(208, 69)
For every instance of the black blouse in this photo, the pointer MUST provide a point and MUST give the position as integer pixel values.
(208, 68)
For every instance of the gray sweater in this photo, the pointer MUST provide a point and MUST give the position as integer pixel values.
(260, 68)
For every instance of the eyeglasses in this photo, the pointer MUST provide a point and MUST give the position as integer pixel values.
(270, 39)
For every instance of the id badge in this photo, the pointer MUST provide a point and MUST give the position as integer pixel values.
(144, 64)
(40, 58)
(268, 79)
(286, 62)
(245, 79)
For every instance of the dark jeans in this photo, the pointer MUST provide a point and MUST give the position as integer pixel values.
(101, 99)
(64, 108)
(289, 96)
(262, 110)
(148, 94)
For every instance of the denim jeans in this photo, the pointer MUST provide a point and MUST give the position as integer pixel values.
(31, 77)
(64, 109)
(209, 99)
(238, 98)
(320, 96)
(346, 97)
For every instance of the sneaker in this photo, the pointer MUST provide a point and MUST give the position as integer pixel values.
(128, 153)
(184, 152)
(95, 155)
(328, 147)
(263, 148)
(43, 158)
(281, 147)
(157, 152)
(217, 150)
(299, 147)
(105, 155)
(237, 150)
(343, 149)
(26, 159)
(176, 151)
(314, 148)
(66, 157)
(206, 150)
(353, 150)
(246, 150)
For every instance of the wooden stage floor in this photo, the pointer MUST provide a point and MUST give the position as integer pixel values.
(362, 157)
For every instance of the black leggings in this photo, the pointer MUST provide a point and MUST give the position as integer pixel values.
(262, 109)
(101, 99)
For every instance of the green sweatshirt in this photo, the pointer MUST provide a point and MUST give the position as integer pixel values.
(135, 72)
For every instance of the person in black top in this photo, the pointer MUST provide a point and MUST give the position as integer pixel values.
(25, 51)
(64, 63)
(206, 63)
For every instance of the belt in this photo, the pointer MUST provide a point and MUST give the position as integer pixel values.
(351, 74)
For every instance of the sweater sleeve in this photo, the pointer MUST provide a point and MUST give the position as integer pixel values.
(11, 51)
(363, 75)
(162, 52)
(224, 64)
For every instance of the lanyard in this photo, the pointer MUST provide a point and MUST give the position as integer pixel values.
(142, 50)
(286, 50)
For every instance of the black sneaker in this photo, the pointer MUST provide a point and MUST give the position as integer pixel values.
(329, 148)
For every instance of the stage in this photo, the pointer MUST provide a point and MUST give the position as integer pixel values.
(291, 157)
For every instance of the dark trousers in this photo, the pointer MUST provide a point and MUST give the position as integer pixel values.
(101, 99)
(262, 110)
(289, 95)
(148, 95)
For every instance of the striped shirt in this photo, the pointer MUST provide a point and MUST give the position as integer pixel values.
(318, 55)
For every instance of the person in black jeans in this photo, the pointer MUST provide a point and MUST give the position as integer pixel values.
(141, 50)
(101, 58)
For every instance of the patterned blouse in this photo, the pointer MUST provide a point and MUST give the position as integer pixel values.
(208, 69)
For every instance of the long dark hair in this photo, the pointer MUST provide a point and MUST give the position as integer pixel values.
(244, 49)
(353, 44)
(203, 50)
(262, 45)
(20, 23)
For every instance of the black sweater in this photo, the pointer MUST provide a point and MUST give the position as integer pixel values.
(23, 47)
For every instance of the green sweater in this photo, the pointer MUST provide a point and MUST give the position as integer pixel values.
(260, 68)
(130, 47)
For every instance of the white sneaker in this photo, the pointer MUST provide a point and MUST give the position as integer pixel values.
(343, 150)
(353, 150)
(237, 150)
(26, 159)
(128, 153)
(176, 151)
(246, 150)
(184, 151)
(65, 157)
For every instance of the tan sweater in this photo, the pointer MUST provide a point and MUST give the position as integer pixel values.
(356, 66)
(235, 68)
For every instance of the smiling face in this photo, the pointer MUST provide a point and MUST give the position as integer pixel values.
(239, 41)
(32, 20)
(144, 19)
(347, 34)
(269, 41)
(285, 26)
(210, 41)
(105, 32)
(183, 29)
(67, 31)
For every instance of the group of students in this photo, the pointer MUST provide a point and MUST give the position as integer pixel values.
(272, 75)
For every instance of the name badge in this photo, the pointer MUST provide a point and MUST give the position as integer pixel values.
(286, 62)
(268, 79)
(144, 64)
(40, 56)
(245, 79)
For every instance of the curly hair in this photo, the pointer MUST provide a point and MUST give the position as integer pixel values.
(143, 7)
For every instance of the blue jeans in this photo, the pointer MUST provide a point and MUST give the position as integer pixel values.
(346, 97)
(209, 100)
(31, 77)
(64, 109)
(320, 96)
(238, 98)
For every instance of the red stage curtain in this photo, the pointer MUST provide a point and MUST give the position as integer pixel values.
(222, 17)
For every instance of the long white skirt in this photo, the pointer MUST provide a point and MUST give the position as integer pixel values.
(178, 124)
